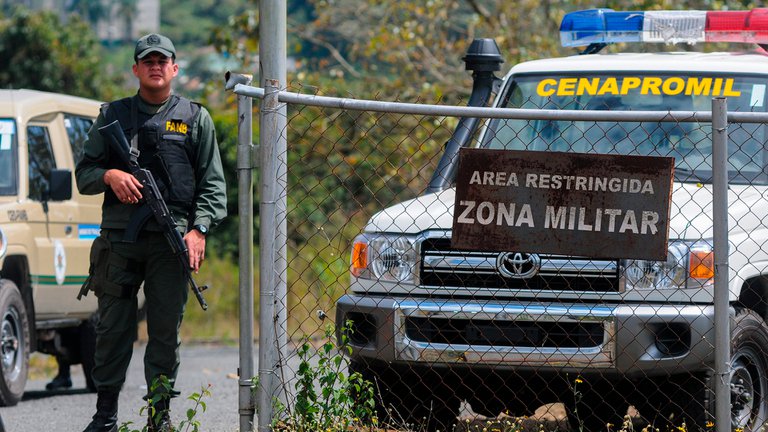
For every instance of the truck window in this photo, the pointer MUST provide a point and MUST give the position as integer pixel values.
(8, 158)
(41, 161)
(77, 132)
(689, 143)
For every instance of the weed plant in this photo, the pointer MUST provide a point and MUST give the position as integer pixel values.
(161, 387)
(347, 402)
(344, 402)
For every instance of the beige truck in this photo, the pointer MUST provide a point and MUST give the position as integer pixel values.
(46, 230)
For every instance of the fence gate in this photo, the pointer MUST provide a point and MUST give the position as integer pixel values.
(455, 336)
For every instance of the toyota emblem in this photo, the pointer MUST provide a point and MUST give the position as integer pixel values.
(518, 265)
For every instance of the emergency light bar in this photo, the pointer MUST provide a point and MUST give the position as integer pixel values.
(604, 26)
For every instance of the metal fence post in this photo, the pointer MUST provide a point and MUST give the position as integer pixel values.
(245, 262)
(720, 233)
(272, 234)
(245, 165)
(271, 299)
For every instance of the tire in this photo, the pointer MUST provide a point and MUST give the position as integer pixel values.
(417, 398)
(14, 344)
(749, 376)
(748, 381)
(87, 349)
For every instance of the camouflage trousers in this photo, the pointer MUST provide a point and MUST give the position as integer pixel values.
(124, 268)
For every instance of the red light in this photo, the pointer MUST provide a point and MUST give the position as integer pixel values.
(737, 26)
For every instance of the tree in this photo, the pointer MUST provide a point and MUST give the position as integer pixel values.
(412, 49)
(38, 52)
(91, 10)
(126, 10)
(193, 21)
(343, 165)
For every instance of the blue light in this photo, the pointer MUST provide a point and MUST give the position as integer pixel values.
(624, 26)
(583, 27)
(600, 26)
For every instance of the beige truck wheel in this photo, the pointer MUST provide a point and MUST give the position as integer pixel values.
(14, 344)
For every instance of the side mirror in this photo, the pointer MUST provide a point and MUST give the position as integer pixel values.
(60, 183)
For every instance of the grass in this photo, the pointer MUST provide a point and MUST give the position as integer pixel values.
(221, 321)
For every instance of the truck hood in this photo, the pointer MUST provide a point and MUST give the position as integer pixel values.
(690, 212)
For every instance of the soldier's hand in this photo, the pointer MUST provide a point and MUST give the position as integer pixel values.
(196, 247)
(124, 185)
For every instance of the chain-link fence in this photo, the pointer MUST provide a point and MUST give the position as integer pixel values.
(492, 335)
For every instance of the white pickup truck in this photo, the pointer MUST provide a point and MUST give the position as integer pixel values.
(510, 330)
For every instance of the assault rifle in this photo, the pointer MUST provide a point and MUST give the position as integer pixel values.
(152, 199)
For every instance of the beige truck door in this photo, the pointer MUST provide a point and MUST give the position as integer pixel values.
(61, 234)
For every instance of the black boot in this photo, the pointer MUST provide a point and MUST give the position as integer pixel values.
(59, 383)
(159, 418)
(105, 419)
(62, 381)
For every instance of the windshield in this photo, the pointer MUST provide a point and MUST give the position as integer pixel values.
(7, 157)
(689, 143)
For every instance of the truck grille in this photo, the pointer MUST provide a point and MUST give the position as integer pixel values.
(505, 333)
(442, 266)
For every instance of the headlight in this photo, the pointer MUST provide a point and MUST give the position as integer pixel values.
(688, 265)
(3, 243)
(386, 257)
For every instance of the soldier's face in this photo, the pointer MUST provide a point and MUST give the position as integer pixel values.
(155, 71)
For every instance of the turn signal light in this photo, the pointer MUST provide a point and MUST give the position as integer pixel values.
(359, 258)
(702, 264)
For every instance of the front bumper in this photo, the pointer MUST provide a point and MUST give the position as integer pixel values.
(629, 340)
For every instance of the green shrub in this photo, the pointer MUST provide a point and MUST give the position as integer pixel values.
(190, 424)
(344, 401)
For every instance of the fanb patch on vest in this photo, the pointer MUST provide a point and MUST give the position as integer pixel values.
(166, 147)
(176, 126)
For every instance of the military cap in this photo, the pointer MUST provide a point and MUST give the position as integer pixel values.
(154, 43)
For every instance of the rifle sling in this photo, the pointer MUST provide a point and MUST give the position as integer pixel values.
(134, 132)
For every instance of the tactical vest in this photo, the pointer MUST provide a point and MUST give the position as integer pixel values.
(165, 146)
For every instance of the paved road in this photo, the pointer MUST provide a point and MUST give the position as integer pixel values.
(71, 411)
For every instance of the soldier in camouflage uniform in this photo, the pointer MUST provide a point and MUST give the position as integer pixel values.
(177, 143)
